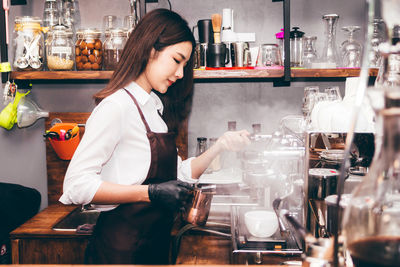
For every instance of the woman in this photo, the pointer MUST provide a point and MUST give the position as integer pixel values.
(127, 163)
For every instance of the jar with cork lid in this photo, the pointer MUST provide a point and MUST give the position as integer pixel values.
(88, 49)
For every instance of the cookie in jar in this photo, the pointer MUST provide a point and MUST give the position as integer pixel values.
(89, 50)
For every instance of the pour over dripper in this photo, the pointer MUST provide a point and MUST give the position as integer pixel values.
(28, 113)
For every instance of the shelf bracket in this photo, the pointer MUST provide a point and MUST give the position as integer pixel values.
(286, 41)
(4, 48)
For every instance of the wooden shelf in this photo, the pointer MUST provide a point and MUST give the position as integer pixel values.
(198, 74)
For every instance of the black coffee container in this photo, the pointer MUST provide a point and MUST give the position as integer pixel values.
(217, 55)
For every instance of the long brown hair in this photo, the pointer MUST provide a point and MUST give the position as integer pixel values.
(157, 29)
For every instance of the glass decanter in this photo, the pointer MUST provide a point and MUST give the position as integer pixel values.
(351, 49)
(378, 37)
(372, 219)
(330, 56)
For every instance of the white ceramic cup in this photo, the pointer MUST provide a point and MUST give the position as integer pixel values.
(261, 223)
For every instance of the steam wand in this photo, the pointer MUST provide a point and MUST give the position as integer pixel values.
(362, 85)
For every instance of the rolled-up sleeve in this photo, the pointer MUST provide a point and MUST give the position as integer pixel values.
(185, 170)
(102, 133)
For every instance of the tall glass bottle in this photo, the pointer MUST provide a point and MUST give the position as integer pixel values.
(330, 56)
(372, 219)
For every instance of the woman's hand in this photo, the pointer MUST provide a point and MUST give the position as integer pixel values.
(234, 141)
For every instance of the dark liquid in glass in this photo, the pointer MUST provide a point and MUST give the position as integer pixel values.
(392, 101)
(383, 251)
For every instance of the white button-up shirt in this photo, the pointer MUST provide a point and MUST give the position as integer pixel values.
(115, 147)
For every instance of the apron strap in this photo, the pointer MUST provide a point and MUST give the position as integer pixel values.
(140, 111)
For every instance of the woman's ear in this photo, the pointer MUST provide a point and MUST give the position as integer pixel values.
(153, 53)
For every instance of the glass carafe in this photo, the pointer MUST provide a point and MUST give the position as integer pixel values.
(372, 219)
(330, 56)
(309, 52)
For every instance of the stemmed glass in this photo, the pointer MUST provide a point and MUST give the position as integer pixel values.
(351, 49)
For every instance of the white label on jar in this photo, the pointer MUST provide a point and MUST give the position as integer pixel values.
(61, 50)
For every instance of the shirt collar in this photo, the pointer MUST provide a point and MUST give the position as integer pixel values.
(143, 97)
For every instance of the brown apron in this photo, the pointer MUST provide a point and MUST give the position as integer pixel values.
(138, 233)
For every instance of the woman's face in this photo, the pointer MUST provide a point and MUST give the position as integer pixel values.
(165, 67)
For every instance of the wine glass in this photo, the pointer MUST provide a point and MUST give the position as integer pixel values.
(351, 49)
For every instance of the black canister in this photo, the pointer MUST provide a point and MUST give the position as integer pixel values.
(205, 30)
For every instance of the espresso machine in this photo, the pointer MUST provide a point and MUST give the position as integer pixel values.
(272, 173)
(324, 156)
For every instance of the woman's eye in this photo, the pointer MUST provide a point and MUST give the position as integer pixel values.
(177, 61)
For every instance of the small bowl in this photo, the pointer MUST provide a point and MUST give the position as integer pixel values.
(261, 223)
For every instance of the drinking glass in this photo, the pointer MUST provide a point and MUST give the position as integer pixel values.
(129, 23)
(269, 55)
(310, 93)
(333, 93)
(109, 22)
(351, 49)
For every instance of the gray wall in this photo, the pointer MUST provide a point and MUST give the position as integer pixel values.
(22, 151)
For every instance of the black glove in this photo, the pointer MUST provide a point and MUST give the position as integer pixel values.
(172, 194)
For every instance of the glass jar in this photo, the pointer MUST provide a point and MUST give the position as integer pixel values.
(60, 52)
(28, 43)
(113, 46)
(88, 50)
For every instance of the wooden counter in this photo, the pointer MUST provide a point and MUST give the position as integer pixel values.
(36, 243)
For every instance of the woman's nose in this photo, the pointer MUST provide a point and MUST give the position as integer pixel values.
(179, 72)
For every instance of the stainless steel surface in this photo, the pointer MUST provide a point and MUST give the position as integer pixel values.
(244, 243)
(76, 218)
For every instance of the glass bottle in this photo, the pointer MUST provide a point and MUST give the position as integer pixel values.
(60, 52)
(89, 50)
(28, 43)
(231, 161)
(296, 47)
(330, 56)
(201, 148)
(201, 145)
(377, 39)
(372, 219)
(113, 46)
(389, 73)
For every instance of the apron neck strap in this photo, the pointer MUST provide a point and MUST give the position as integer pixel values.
(140, 111)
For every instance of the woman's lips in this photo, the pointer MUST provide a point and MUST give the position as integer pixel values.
(170, 82)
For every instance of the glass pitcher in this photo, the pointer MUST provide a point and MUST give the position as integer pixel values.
(372, 219)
